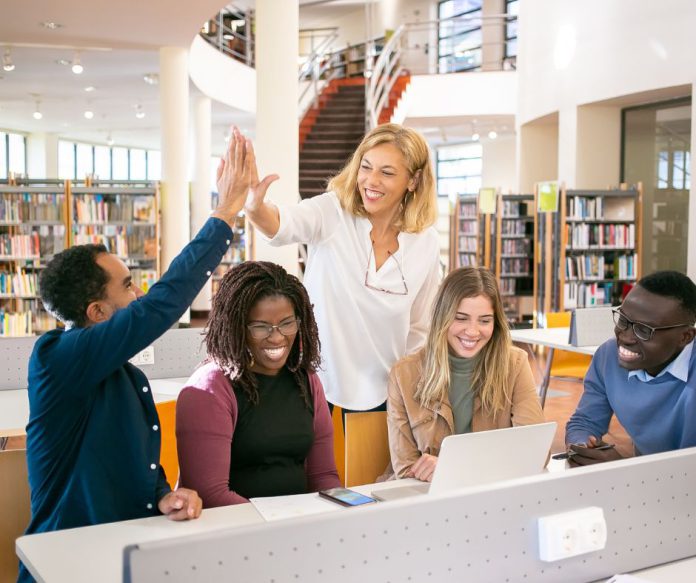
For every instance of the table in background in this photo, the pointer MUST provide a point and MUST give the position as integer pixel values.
(552, 338)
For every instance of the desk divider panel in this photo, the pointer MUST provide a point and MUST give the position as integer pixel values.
(177, 353)
(479, 535)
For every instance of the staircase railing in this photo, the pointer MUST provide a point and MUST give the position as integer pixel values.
(386, 71)
(312, 71)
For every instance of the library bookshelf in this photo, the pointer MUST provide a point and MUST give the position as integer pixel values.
(467, 233)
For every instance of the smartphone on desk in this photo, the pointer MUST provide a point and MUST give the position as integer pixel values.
(346, 497)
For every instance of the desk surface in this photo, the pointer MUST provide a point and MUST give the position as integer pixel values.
(551, 337)
(14, 404)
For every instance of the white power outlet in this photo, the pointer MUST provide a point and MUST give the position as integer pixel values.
(145, 356)
(572, 533)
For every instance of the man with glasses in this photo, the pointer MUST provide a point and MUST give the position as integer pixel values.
(646, 377)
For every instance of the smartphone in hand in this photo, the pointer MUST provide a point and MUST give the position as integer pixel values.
(346, 497)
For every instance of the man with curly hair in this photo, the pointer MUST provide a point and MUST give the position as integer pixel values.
(93, 438)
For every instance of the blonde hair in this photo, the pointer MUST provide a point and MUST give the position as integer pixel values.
(419, 208)
(491, 372)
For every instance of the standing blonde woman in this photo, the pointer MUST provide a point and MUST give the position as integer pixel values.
(468, 377)
(373, 265)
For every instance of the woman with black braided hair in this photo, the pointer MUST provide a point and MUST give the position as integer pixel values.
(253, 420)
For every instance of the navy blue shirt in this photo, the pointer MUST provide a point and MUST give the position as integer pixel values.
(93, 438)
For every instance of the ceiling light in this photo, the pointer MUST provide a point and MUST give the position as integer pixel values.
(77, 67)
(109, 140)
(492, 134)
(90, 88)
(151, 78)
(37, 111)
(50, 25)
(7, 63)
(89, 114)
(139, 113)
(475, 137)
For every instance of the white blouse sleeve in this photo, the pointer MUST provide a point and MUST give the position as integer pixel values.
(421, 309)
(312, 220)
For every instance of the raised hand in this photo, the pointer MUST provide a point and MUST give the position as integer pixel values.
(257, 189)
(233, 177)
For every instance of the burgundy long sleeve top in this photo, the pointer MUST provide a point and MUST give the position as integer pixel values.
(206, 415)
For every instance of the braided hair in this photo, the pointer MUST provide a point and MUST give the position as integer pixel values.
(226, 335)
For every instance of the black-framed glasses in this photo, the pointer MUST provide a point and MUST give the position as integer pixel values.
(262, 331)
(640, 330)
(381, 289)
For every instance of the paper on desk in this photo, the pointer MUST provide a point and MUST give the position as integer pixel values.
(281, 507)
(627, 579)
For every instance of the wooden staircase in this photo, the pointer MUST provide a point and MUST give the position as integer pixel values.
(330, 133)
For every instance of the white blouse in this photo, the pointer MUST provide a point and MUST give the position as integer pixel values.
(363, 331)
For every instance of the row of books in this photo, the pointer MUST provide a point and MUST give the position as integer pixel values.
(468, 244)
(514, 209)
(613, 236)
(466, 260)
(16, 323)
(144, 278)
(124, 240)
(467, 210)
(513, 227)
(20, 245)
(469, 228)
(584, 295)
(97, 208)
(516, 247)
(588, 267)
(20, 283)
(517, 266)
(508, 286)
(581, 207)
(31, 207)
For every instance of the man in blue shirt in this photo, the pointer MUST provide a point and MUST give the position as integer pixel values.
(93, 438)
(646, 377)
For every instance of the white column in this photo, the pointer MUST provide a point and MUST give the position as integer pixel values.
(174, 115)
(691, 243)
(42, 155)
(200, 182)
(277, 143)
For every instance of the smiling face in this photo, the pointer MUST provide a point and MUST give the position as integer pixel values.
(383, 180)
(472, 327)
(270, 354)
(654, 310)
(120, 290)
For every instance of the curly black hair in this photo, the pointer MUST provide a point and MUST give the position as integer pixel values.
(672, 284)
(72, 280)
(226, 335)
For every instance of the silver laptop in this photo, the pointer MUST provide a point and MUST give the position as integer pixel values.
(484, 457)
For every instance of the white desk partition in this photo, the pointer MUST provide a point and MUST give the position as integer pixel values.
(480, 535)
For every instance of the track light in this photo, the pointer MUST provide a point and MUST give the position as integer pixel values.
(492, 134)
(109, 140)
(37, 112)
(139, 113)
(77, 67)
(7, 63)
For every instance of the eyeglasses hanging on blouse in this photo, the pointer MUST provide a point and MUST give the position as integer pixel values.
(400, 292)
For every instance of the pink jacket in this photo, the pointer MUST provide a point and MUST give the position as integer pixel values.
(206, 414)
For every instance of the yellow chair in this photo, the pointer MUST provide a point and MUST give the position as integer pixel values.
(366, 447)
(168, 455)
(566, 364)
(339, 443)
(16, 509)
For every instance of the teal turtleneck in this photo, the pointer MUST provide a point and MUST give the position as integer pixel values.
(461, 395)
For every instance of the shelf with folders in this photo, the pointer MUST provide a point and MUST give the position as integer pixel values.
(32, 230)
(238, 250)
(466, 233)
(123, 216)
(514, 261)
(600, 246)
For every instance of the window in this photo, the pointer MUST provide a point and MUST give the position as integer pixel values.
(138, 165)
(154, 165)
(77, 160)
(16, 154)
(459, 35)
(119, 160)
(102, 162)
(458, 169)
(3, 155)
(84, 161)
(66, 160)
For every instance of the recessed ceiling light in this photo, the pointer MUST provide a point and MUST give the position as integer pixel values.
(89, 114)
(90, 88)
(50, 24)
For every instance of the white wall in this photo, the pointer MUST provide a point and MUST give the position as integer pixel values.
(499, 163)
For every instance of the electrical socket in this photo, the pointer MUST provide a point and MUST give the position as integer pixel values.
(145, 356)
(569, 534)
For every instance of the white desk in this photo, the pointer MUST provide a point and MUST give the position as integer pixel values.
(552, 338)
(95, 553)
(14, 404)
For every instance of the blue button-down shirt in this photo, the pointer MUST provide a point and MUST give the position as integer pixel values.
(678, 368)
(93, 439)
